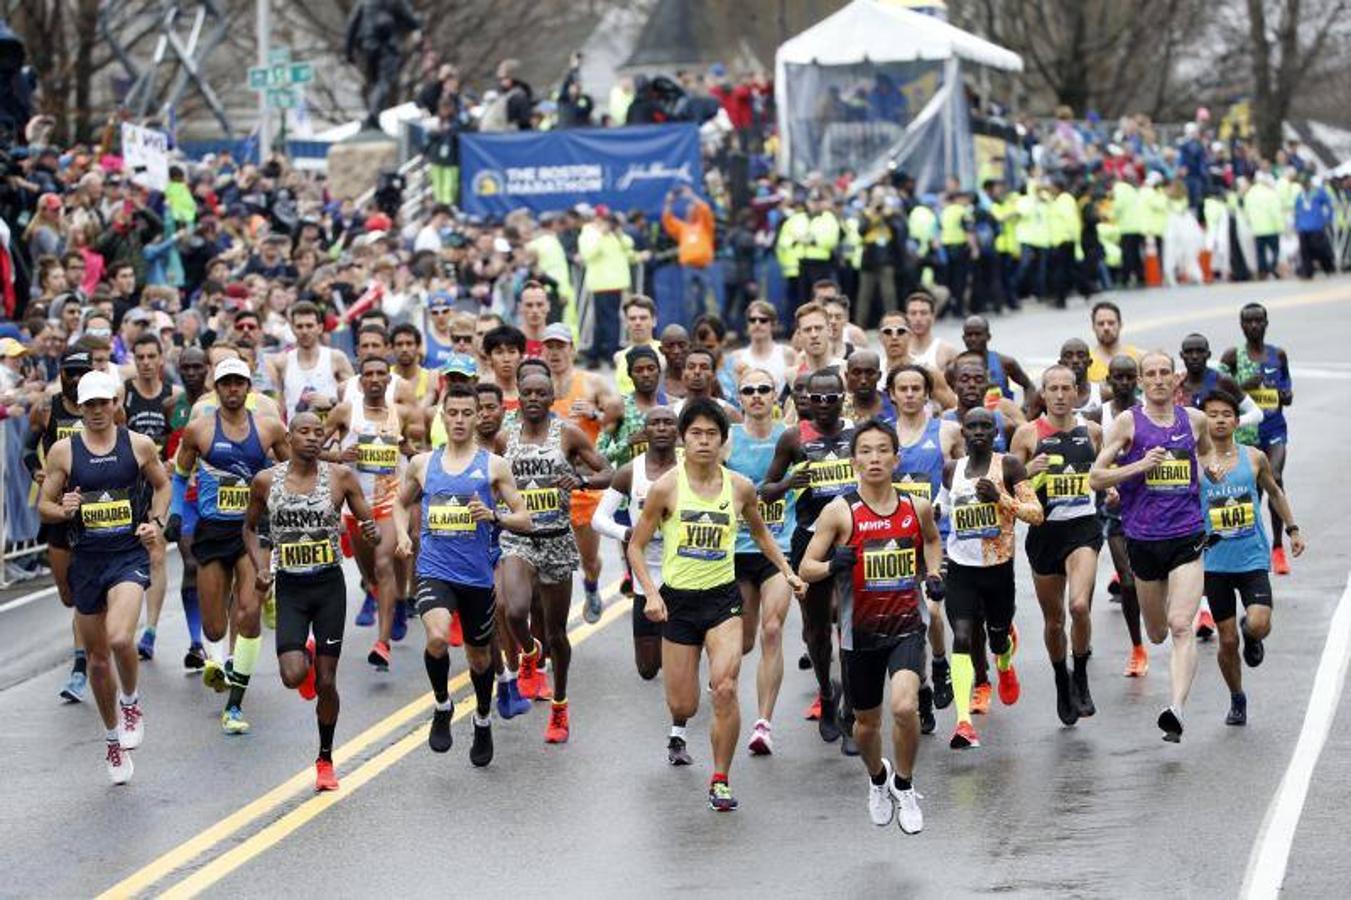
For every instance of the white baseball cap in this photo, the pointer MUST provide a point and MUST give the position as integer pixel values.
(232, 366)
(96, 386)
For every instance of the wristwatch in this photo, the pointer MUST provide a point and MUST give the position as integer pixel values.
(157, 521)
(1292, 529)
(583, 482)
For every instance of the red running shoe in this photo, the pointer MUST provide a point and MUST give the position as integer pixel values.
(557, 731)
(980, 698)
(306, 688)
(1009, 689)
(379, 656)
(1279, 564)
(813, 712)
(1205, 625)
(324, 779)
(456, 630)
(964, 738)
(1139, 662)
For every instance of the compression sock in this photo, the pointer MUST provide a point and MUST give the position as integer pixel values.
(1003, 659)
(483, 689)
(192, 611)
(246, 658)
(879, 777)
(590, 585)
(902, 784)
(963, 677)
(1061, 670)
(326, 740)
(438, 673)
(81, 664)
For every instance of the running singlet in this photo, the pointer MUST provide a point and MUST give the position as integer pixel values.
(1208, 383)
(879, 596)
(304, 526)
(454, 547)
(698, 538)
(831, 468)
(982, 532)
(60, 424)
(638, 492)
(999, 380)
(438, 354)
(1000, 438)
(751, 456)
(1267, 395)
(112, 496)
(1232, 508)
(536, 468)
(1063, 488)
(225, 473)
(1166, 503)
(379, 464)
(297, 381)
(145, 415)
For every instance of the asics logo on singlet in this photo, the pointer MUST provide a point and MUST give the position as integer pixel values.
(871, 526)
(905, 523)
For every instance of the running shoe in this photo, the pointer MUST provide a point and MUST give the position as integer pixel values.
(964, 738)
(1009, 689)
(557, 730)
(379, 656)
(213, 676)
(927, 722)
(269, 610)
(881, 803)
(366, 616)
(980, 698)
(456, 630)
(1138, 664)
(528, 676)
(1205, 625)
(73, 692)
(119, 764)
(593, 608)
(942, 681)
(195, 659)
(481, 750)
(848, 746)
(1065, 707)
(828, 726)
(804, 662)
(440, 739)
(131, 728)
(145, 647)
(762, 739)
(1082, 698)
(510, 703)
(908, 814)
(306, 688)
(1114, 588)
(676, 754)
(1253, 651)
(1279, 564)
(626, 584)
(720, 797)
(232, 721)
(324, 779)
(1171, 724)
(814, 711)
(399, 628)
(1238, 709)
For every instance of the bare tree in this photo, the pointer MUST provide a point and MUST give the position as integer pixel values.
(1283, 57)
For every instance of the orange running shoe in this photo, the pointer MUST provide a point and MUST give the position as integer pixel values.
(379, 656)
(980, 699)
(557, 732)
(1205, 625)
(324, 779)
(813, 712)
(456, 630)
(1009, 688)
(528, 675)
(1279, 564)
(1138, 664)
(306, 688)
(964, 738)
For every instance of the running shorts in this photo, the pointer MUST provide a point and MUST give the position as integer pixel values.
(868, 671)
(977, 593)
(55, 535)
(690, 615)
(477, 606)
(554, 559)
(754, 568)
(218, 540)
(1153, 560)
(1049, 545)
(94, 573)
(1253, 588)
(311, 602)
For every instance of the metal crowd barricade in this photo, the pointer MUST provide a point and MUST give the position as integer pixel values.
(19, 521)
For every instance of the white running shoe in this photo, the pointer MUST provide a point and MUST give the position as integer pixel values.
(881, 804)
(119, 764)
(908, 814)
(132, 729)
(762, 739)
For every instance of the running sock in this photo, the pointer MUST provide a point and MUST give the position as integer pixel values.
(1003, 659)
(326, 740)
(506, 676)
(963, 677)
(718, 777)
(879, 777)
(590, 585)
(902, 784)
(128, 700)
(1080, 663)
(678, 731)
(438, 673)
(246, 658)
(150, 633)
(483, 689)
(481, 721)
(81, 664)
(444, 705)
(112, 737)
(192, 611)
(215, 650)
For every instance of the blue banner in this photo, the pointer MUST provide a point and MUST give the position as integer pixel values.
(624, 168)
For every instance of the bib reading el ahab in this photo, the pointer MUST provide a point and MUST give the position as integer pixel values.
(705, 534)
(1233, 517)
(973, 518)
(1173, 474)
(106, 512)
(448, 516)
(377, 454)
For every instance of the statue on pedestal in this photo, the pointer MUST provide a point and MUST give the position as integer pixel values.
(376, 31)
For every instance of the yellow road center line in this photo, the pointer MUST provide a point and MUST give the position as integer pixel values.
(186, 852)
(1309, 298)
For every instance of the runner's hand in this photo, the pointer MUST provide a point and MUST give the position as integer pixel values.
(638, 437)
(403, 546)
(934, 588)
(478, 512)
(987, 491)
(371, 532)
(843, 559)
(262, 582)
(1113, 498)
(798, 586)
(568, 481)
(148, 534)
(70, 503)
(801, 480)
(1297, 544)
(1038, 464)
(349, 455)
(1153, 457)
(655, 609)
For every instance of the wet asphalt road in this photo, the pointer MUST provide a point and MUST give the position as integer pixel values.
(1104, 808)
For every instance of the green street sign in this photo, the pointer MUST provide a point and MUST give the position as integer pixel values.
(301, 73)
(281, 98)
(258, 78)
(280, 75)
(279, 55)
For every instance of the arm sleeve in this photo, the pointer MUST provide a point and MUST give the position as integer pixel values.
(603, 520)
(1249, 413)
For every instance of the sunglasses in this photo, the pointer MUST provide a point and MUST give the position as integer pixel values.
(467, 338)
(246, 326)
(440, 310)
(760, 320)
(826, 399)
(751, 390)
(895, 330)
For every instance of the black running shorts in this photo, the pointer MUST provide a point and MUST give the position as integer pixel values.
(311, 602)
(218, 541)
(477, 606)
(977, 593)
(1253, 588)
(754, 568)
(868, 671)
(1049, 545)
(1153, 560)
(690, 615)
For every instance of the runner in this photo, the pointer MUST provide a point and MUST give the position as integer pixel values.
(544, 451)
(764, 593)
(1089, 396)
(1105, 318)
(879, 544)
(1149, 454)
(696, 508)
(863, 401)
(458, 488)
(192, 371)
(505, 348)
(925, 348)
(1003, 369)
(627, 438)
(310, 371)
(640, 320)
(1236, 557)
(1123, 377)
(811, 336)
(232, 447)
(437, 329)
(895, 337)
(1058, 449)
(1263, 371)
(301, 501)
(370, 436)
(813, 457)
(675, 343)
(94, 484)
(845, 336)
(700, 377)
(407, 342)
(971, 382)
(763, 352)
(533, 314)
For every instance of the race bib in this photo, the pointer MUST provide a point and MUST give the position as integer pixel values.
(107, 512)
(1268, 399)
(1171, 475)
(377, 455)
(914, 485)
(543, 504)
(637, 449)
(704, 534)
(301, 555)
(972, 518)
(831, 477)
(773, 514)
(1233, 517)
(1067, 488)
(888, 565)
(448, 516)
(232, 495)
(65, 431)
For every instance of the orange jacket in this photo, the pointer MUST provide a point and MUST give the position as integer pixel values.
(694, 236)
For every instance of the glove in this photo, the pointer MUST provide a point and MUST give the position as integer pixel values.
(843, 559)
(933, 588)
(173, 529)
